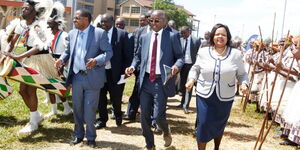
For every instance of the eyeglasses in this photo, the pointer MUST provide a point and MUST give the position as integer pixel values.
(154, 20)
(77, 18)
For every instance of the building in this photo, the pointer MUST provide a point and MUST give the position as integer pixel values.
(97, 7)
(10, 9)
(131, 10)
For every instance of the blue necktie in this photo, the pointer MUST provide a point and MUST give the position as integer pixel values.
(79, 54)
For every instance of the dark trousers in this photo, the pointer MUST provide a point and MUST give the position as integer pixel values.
(153, 98)
(134, 100)
(115, 92)
(185, 99)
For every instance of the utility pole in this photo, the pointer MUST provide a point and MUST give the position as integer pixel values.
(74, 8)
(283, 20)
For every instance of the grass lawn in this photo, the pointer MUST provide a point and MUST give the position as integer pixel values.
(56, 131)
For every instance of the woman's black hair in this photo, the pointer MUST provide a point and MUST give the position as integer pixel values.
(213, 31)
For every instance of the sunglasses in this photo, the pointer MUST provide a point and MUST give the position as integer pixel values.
(154, 21)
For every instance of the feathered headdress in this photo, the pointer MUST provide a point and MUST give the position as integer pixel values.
(57, 14)
(42, 7)
(97, 21)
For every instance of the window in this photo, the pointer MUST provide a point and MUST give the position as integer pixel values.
(117, 12)
(126, 22)
(144, 11)
(89, 8)
(90, 1)
(119, 1)
(135, 10)
(125, 10)
(134, 22)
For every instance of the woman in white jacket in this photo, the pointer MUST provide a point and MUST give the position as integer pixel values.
(216, 69)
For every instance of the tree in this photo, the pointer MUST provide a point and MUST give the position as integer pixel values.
(173, 13)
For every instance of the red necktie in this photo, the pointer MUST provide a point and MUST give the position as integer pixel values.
(153, 60)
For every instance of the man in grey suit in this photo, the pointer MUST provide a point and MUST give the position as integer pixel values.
(87, 52)
(156, 49)
(190, 46)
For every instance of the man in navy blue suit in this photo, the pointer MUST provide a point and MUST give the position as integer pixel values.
(114, 68)
(87, 52)
(156, 49)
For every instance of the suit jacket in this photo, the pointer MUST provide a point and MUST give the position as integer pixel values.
(137, 34)
(194, 47)
(171, 54)
(168, 28)
(218, 74)
(122, 53)
(97, 47)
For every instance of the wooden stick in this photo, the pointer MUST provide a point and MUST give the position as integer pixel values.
(278, 105)
(252, 74)
(271, 95)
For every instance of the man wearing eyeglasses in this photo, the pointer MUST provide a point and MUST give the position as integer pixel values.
(88, 50)
(157, 49)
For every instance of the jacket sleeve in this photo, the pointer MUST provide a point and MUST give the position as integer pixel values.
(196, 69)
(106, 48)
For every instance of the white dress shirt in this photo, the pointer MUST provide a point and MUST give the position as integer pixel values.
(187, 54)
(157, 69)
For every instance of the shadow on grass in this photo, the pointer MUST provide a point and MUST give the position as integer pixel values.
(62, 119)
(115, 145)
(234, 125)
(62, 135)
(240, 137)
(180, 127)
(125, 130)
(9, 121)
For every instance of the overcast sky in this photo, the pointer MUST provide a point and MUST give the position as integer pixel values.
(244, 16)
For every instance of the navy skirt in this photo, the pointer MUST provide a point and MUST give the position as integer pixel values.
(212, 117)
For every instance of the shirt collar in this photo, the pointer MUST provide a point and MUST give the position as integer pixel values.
(110, 30)
(159, 32)
(86, 30)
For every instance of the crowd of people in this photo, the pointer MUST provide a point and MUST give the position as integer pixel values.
(92, 58)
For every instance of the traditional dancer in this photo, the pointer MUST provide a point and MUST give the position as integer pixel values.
(37, 41)
(57, 22)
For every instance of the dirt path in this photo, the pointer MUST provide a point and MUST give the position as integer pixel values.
(240, 133)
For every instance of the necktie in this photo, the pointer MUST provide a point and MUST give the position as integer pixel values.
(153, 60)
(78, 55)
(185, 46)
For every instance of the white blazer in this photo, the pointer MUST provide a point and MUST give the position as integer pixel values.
(218, 73)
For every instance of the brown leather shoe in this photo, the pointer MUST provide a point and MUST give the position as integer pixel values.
(167, 139)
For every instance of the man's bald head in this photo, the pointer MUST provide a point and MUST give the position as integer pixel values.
(158, 20)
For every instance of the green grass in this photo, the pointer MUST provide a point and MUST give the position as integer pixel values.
(14, 115)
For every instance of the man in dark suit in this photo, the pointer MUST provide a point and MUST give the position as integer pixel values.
(190, 46)
(88, 50)
(134, 100)
(114, 68)
(156, 49)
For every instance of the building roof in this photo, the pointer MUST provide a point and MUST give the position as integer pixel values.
(144, 3)
(183, 9)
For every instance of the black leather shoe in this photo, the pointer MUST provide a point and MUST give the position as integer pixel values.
(91, 143)
(118, 121)
(130, 118)
(76, 141)
(100, 125)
